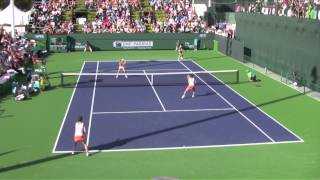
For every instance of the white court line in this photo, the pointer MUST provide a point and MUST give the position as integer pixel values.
(154, 90)
(167, 111)
(66, 113)
(264, 133)
(92, 103)
(185, 147)
(250, 103)
(177, 148)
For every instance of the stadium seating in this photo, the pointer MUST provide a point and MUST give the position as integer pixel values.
(290, 8)
(47, 17)
(110, 16)
(16, 55)
(176, 16)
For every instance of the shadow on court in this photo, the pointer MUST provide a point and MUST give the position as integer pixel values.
(200, 95)
(121, 142)
(34, 162)
(57, 72)
(206, 58)
(100, 83)
(8, 152)
(6, 116)
(2, 111)
(145, 64)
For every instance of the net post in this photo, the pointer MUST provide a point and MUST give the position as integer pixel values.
(61, 79)
(238, 77)
(304, 84)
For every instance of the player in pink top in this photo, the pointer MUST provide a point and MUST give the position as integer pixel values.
(191, 86)
(122, 64)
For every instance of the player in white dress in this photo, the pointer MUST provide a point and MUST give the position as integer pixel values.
(79, 135)
(121, 68)
(191, 86)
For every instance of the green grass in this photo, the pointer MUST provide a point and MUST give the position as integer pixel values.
(28, 131)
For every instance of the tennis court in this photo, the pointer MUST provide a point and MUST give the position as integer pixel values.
(146, 112)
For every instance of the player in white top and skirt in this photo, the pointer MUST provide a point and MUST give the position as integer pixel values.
(191, 86)
(121, 68)
(79, 135)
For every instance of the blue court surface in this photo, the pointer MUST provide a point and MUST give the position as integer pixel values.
(133, 114)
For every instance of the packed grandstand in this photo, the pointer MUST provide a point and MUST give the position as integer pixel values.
(122, 16)
(290, 8)
(159, 16)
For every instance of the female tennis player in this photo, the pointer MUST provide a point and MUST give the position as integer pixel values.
(122, 64)
(79, 132)
(191, 86)
(180, 51)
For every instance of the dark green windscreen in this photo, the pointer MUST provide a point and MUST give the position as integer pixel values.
(287, 46)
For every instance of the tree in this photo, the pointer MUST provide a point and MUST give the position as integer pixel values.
(4, 3)
(23, 5)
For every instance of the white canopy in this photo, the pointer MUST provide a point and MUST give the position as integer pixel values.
(20, 17)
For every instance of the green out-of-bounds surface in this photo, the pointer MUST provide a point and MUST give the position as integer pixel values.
(28, 131)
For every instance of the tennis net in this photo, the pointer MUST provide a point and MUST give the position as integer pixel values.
(146, 78)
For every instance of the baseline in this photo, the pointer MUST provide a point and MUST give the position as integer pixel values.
(180, 148)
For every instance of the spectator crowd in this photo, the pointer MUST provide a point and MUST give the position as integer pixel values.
(113, 17)
(223, 29)
(181, 17)
(309, 9)
(46, 17)
(14, 53)
(16, 56)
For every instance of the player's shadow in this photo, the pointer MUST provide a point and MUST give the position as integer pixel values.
(8, 152)
(2, 111)
(34, 162)
(200, 95)
(5, 116)
(122, 142)
(56, 72)
(206, 58)
(111, 145)
(205, 94)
